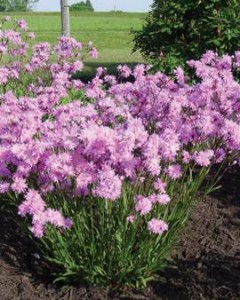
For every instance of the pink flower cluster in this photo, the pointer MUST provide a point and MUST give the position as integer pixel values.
(157, 226)
(44, 68)
(35, 206)
(139, 133)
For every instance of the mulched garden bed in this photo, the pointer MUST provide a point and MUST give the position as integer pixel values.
(207, 261)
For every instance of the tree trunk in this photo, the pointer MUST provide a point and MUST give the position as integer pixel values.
(65, 18)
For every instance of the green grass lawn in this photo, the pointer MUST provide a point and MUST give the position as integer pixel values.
(110, 32)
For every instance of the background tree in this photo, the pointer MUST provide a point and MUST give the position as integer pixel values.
(82, 6)
(17, 5)
(183, 29)
(89, 5)
(2, 6)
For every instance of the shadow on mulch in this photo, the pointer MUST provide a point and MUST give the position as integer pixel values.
(207, 261)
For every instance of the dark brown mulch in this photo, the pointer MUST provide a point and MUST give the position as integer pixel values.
(207, 261)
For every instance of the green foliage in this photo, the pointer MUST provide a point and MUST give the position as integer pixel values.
(74, 94)
(82, 6)
(185, 29)
(16, 5)
(103, 249)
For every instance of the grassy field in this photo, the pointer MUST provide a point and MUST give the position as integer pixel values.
(110, 32)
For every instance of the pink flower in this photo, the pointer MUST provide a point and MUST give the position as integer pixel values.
(203, 158)
(4, 75)
(131, 219)
(143, 205)
(4, 187)
(109, 185)
(101, 71)
(19, 185)
(77, 84)
(179, 73)
(161, 199)
(32, 204)
(208, 57)
(55, 218)
(124, 71)
(37, 230)
(174, 171)
(31, 35)
(219, 155)
(110, 79)
(160, 186)
(22, 24)
(157, 226)
(67, 223)
(139, 71)
(93, 52)
(186, 157)
(151, 151)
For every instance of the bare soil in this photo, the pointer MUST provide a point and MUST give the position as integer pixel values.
(207, 259)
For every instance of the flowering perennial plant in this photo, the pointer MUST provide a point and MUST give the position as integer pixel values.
(108, 182)
(41, 68)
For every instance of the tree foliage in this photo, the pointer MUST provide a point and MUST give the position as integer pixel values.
(17, 5)
(183, 29)
(82, 6)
